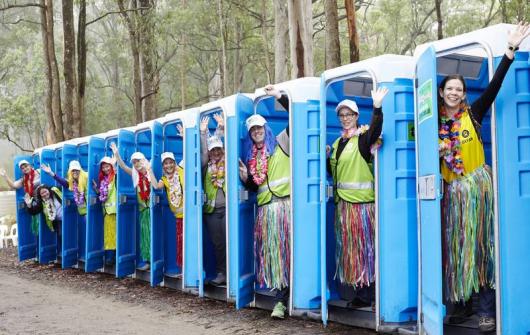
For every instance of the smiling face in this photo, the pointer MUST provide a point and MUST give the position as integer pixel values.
(453, 93)
(257, 134)
(169, 166)
(25, 168)
(44, 193)
(75, 174)
(216, 154)
(138, 165)
(106, 168)
(348, 118)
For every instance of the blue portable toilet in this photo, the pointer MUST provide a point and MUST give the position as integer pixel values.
(185, 276)
(49, 247)
(304, 298)
(229, 107)
(74, 226)
(27, 241)
(396, 274)
(98, 147)
(506, 138)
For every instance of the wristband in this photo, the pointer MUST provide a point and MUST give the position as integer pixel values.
(512, 48)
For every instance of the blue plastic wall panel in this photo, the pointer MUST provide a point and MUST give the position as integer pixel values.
(306, 177)
(59, 168)
(157, 219)
(172, 143)
(94, 252)
(70, 214)
(429, 209)
(47, 238)
(82, 156)
(396, 198)
(27, 242)
(127, 210)
(192, 210)
(240, 208)
(513, 147)
(142, 140)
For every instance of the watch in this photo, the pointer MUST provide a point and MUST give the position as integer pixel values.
(512, 48)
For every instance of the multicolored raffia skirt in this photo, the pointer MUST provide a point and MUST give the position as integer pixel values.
(145, 234)
(468, 235)
(179, 242)
(35, 220)
(355, 244)
(272, 244)
(109, 231)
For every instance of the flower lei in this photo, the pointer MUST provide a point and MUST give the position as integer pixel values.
(217, 172)
(449, 142)
(28, 182)
(49, 209)
(104, 189)
(349, 133)
(258, 165)
(79, 197)
(175, 190)
(144, 187)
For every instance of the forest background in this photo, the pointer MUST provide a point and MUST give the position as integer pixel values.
(71, 68)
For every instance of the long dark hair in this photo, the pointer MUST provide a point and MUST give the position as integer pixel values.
(52, 193)
(444, 82)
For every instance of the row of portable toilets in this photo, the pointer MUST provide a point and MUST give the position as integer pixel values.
(408, 191)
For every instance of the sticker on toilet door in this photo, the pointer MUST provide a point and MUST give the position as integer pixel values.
(425, 101)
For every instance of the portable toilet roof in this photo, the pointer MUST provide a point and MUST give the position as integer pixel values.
(49, 146)
(225, 104)
(188, 117)
(142, 126)
(298, 90)
(493, 38)
(78, 140)
(384, 68)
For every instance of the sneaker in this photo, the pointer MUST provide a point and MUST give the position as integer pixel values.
(143, 267)
(220, 279)
(486, 324)
(279, 311)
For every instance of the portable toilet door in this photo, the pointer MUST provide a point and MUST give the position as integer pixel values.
(48, 243)
(395, 238)
(505, 133)
(171, 232)
(157, 215)
(226, 107)
(71, 220)
(126, 218)
(192, 201)
(82, 157)
(304, 281)
(27, 240)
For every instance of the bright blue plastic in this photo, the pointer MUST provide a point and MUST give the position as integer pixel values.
(27, 242)
(157, 215)
(47, 238)
(513, 166)
(82, 157)
(171, 143)
(70, 215)
(192, 211)
(94, 231)
(126, 240)
(432, 306)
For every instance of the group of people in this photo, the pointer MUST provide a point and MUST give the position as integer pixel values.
(467, 206)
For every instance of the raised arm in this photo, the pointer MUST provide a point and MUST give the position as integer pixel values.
(119, 160)
(46, 168)
(12, 184)
(157, 185)
(204, 140)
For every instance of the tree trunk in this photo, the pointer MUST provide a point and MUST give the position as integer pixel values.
(135, 54)
(81, 69)
(332, 34)
(265, 40)
(301, 37)
(71, 119)
(281, 38)
(238, 66)
(148, 65)
(222, 55)
(50, 129)
(353, 38)
(438, 4)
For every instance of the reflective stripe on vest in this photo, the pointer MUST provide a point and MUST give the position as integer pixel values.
(354, 181)
(109, 207)
(278, 178)
(211, 193)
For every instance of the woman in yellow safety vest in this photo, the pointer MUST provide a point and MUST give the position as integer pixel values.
(350, 165)
(266, 169)
(467, 207)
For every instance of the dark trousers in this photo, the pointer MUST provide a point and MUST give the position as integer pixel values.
(365, 294)
(486, 303)
(281, 295)
(216, 225)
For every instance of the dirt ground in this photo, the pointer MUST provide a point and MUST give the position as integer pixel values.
(43, 299)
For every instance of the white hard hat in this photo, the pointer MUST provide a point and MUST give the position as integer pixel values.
(137, 155)
(255, 120)
(107, 160)
(167, 155)
(348, 103)
(74, 165)
(22, 162)
(214, 142)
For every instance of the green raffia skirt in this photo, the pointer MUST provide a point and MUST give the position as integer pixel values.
(145, 234)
